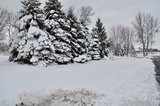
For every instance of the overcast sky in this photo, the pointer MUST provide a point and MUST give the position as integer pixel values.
(112, 12)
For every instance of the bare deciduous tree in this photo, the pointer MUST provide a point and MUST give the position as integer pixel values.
(85, 15)
(122, 37)
(116, 34)
(3, 22)
(7, 24)
(128, 38)
(146, 26)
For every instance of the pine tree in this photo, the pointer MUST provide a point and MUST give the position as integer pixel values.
(94, 48)
(83, 41)
(102, 35)
(57, 25)
(31, 44)
(78, 39)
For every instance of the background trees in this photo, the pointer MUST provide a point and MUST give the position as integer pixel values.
(3, 21)
(7, 22)
(122, 38)
(128, 41)
(146, 26)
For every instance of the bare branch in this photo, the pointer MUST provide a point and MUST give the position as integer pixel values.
(85, 15)
(146, 26)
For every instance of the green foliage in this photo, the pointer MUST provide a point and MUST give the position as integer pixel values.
(102, 35)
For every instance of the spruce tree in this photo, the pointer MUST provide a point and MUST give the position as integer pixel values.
(31, 44)
(94, 48)
(57, 25)
(83, 41)
(102, 35)
(78, 39)
(30, 7)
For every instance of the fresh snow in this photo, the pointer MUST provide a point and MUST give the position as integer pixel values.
(23, 21)
(123, 81)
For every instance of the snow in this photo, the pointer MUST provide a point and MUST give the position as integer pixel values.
(52, 11)
(36, 31)
(124, 81)
(22, 22)
(45, 52)
(81, 59)
(34, 59)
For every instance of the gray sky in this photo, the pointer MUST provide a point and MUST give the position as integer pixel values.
(112, 12)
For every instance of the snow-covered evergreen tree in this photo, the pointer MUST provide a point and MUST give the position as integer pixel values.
(83, 41)
(79, 36)
(57, 25)
(31, 44)
(101, 32)
(94, 48)
(50, 36)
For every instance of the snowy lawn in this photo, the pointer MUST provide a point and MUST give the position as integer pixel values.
(123, 81)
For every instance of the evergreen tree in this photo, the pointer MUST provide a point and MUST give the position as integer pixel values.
(132, 51)
(53, 5)
(125, 49)
(78, 39)
(31, 44)
(118, 50)
(57, 25)
(94, 48)
(102, 35)
(30, 7)
(50, 36)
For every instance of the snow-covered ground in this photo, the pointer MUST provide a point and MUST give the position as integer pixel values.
(123, 81)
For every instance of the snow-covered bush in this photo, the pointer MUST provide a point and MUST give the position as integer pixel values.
(60, 98)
